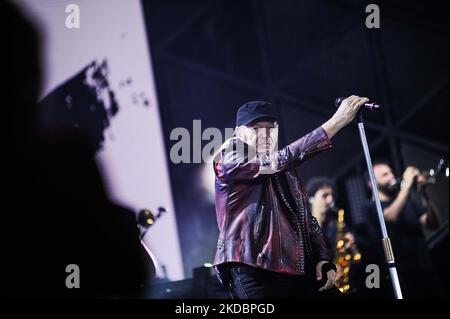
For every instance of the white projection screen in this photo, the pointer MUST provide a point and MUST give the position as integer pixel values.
(132, 157)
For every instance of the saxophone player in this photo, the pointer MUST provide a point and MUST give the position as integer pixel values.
(321, 194)
(339, 240)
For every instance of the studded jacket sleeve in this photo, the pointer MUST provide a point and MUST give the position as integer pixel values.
(234, 164)
(318, 244)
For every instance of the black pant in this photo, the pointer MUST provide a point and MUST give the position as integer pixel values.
(246, 282)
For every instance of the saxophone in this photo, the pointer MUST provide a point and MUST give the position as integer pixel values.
(345, 256)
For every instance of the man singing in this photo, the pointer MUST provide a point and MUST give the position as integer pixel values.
(269, 245)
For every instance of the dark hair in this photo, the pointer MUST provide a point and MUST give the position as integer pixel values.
(317, 183)
(375, 163)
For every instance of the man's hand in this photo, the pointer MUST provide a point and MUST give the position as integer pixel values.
(344, 114)
(331, 276)
(409, 177)
(393, 211)
(422, 185)
(348, 109)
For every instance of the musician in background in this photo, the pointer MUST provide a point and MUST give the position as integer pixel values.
(407, 208)
(321, 194)
(339, 240)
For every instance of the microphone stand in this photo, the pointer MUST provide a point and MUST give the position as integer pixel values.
(388, 252)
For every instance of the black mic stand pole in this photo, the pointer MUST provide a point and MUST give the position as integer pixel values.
(385, 238)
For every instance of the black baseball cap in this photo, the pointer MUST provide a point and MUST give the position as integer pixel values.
(253, 110)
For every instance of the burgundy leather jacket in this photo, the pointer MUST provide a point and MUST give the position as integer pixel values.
(258, 224)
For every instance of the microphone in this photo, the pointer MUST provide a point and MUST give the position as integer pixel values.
(372, 106)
